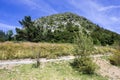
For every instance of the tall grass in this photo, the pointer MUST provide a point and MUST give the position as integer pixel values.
(11, 50)
(103, 50)
(115, 58)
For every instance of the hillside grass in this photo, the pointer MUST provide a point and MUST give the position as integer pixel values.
(11, 50)
(47, 71)
(104, 50)
(21, 50)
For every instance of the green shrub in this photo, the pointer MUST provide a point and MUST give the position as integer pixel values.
(115, 59)
(84, 48)
(84, 65)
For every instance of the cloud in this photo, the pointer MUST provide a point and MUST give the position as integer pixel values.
(109, 7)
(96, 12)
(115, 19)
(6, 27)
(33, 5)
(38, 5)
(90, 10)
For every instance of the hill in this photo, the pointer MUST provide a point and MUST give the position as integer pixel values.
(62, 28)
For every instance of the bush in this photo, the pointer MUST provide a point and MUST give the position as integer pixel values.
(84, 65)
(115, 59)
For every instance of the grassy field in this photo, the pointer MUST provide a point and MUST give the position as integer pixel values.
(12, 50)
(47, 71)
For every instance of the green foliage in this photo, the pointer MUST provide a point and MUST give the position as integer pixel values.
(115, 59)
(104, 37)
(66, 35)
(84, 44)
(9, 35)
(84, 47)
(104, 50)
(84, 65)
(28, 33)
(2, 36)
(60, 28)
(6, 37)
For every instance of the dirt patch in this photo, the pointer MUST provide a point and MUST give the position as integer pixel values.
(107, 70)
(7, 66)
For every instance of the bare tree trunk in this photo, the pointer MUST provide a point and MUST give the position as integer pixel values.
(37, 59)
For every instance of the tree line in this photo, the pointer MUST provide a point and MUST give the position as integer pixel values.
(33, 33)
(6, 36)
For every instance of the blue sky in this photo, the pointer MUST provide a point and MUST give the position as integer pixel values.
(105, 13)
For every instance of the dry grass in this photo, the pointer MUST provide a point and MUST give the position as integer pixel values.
(11, 50)
(19, 50)
(104, 50)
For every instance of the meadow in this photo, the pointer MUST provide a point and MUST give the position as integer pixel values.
(47, 71)
(21, 50)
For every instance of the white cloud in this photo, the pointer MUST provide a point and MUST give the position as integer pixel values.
(30, 3)
(96, 12)
(115, 19)
(6, 27)
(91, 9)
(38, 5)
(108, 8)
(85, 6)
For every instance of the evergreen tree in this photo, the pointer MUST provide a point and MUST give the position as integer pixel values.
(9, 35)
(2, 36)
(28, 32)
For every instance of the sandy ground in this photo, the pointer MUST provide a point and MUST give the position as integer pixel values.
(107, 70)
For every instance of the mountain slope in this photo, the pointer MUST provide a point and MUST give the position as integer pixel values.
(63, 19)
(61, 28)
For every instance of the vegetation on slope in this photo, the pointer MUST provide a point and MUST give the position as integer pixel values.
(6, 36)
(61, 28)
(84, 47)
(115, 58)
